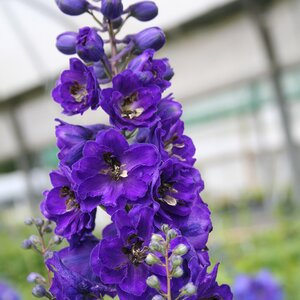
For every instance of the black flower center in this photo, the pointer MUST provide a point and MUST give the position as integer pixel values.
(115, 167)
(78, 91)
(128, 111)
(165, 192)
(136, 252)
(71, 203)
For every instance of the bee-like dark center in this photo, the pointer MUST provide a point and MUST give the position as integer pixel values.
(115, 168)
(71, 203)
(78, 91)
(166, 191)
(129, 110)
(136, 252)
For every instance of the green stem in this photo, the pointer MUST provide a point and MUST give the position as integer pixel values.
(169, 296)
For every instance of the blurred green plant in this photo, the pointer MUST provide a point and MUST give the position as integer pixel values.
(248, 250)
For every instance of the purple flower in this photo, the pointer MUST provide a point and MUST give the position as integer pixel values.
(198, 225)
(72, 138)
(111, 9)
(129, 103)
(125, 266)
(66, 42)
(150, 38)
(72, 7)
(7, 292)
(177, 186)
(143, 11)
(167, 135)
(261, 287)
(73, 277)
(62, 205)
(152, 71)
(111, 169)
(77, 89)
(208, 288)
(89, 45)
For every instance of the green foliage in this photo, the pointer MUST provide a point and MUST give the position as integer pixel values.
(276, 249)
(15, 262)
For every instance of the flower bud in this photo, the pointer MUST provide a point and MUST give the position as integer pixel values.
(156, 237)
(153, 282)
(188, 289)
(26, 244)
(66, 42)
(116, 23)
(155, 246)
(89, 45)
(177, 272)
(57, 239)
(152, 259)
(34, 239)
(28, 221)
(150, 38)
(165, 228)
(35, 278)
(112, 9)
(169, 71)
(143, 11)
(72, 7)
(39, 291)
(48, 229)
(181, 249)
(171, 234)
(38, 222)
(158, 297)
(176, 260)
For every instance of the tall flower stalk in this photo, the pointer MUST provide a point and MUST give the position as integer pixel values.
(139, 170)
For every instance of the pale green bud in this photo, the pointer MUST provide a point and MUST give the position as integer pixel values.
(189, 289)
(181, 249)
(156, 237)
(153, 282)
(172, 234)
(177, 272)
(176, 260)
(165, 228)
(152, 259)
(155, 246)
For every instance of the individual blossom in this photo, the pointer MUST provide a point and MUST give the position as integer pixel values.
(208, 288)
(77, 89)
(73, 276)
(112, 169)
(62, 205)
(72, 138)
(176, 188)
(89, 45)
(72, 7)
(129, 103)
(125, 266)
(263, 286)
(197, 226)
(152, 71)
(143, 11)
(111, 9)
(167, 134)
(7, 292)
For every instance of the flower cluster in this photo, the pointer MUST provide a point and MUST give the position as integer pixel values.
(139, 169)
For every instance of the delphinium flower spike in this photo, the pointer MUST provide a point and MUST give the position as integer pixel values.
(138, 169)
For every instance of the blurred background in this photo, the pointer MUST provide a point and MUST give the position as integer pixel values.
(237, 75)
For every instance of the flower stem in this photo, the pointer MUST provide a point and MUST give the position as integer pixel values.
(113, 47)
(169, 296)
